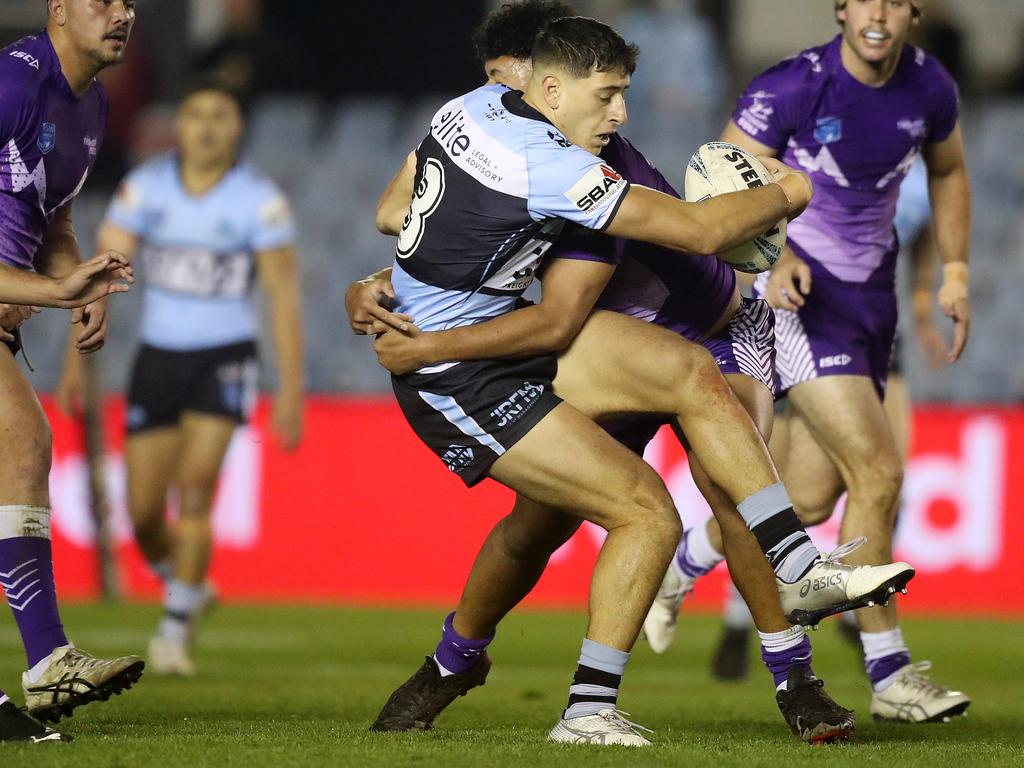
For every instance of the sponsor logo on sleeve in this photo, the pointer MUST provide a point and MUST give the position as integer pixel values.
(599, 186)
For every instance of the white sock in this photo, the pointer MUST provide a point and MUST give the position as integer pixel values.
(878, 645)
(40, 666)
(737, 614)
(180, 606)
(695, 554)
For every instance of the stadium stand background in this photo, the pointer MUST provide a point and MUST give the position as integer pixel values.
(338, 98)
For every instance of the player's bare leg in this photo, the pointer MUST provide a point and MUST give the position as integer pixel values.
(204, 442)
(151, 460)
(565, 462)
(60, 677)
(860, 443)
(619, 365)
(514, 555)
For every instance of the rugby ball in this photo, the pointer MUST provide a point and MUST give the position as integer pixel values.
(719, 167)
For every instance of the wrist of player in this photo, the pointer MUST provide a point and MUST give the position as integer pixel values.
(798, 190)
(955, 283)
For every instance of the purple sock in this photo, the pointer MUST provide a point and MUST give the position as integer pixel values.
(879, 669)
(458, 654)
(779, 663)
(26, 574)
(687, 563)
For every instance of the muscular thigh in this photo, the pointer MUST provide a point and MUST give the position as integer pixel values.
(619, 365)
(568, 463)
(845, 416)
(204, 442)
(24, 437)
(151, 461)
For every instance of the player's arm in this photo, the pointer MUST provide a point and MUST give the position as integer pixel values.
(714, 225)
(570, 289)
(949, 188)
(733, 134)
(279, 277)
(394, 202)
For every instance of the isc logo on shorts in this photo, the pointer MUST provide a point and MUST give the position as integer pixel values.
(596, 189)
(834, 361)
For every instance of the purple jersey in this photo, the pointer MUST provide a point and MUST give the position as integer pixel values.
(856, 142)
(48, 143)
(685, 293)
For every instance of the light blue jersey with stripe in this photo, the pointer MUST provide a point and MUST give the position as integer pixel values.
(197, 253)
(495, 183)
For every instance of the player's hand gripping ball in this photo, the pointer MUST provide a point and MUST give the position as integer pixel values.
(717, 168)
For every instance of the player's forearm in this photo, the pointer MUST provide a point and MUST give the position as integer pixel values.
(709, 227)
(19, 286)
(286, 320)
(951, 203)
(525, 332)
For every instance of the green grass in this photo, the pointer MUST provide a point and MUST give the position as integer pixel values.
(299, 686)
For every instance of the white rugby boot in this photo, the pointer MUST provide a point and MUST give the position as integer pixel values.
(73, 678)
(170, 656)
(833, 587)
(607, 727)
(663, 617)
(913, 698)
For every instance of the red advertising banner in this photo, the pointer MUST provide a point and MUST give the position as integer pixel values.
(364, 513)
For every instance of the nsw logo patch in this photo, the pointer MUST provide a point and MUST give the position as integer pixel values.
(47, 138)
(829, 130)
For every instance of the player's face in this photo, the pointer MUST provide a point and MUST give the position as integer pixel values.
(876, 30)
(99, 28)
(510, 71)
(209, 128)
(591, 109)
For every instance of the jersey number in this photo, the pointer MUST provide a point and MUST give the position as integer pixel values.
(425, 200)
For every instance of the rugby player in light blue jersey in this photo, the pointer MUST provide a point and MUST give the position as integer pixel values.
(53, 115)
(460, 662)
(855, 113)
(202, 224)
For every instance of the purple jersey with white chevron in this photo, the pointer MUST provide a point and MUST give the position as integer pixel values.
(856, 142)
(683, 292)
(48, 143)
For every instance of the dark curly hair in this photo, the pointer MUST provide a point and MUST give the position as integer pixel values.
(511, 29)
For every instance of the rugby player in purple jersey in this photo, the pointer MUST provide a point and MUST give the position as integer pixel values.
(570, 288)
(855, 113)
(53, 114)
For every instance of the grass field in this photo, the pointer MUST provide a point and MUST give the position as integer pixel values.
(299, 686)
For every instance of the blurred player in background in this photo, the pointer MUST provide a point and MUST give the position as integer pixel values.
(202, 223)
(504, 44)
(804, 465)
(52, 117)
(854, 113)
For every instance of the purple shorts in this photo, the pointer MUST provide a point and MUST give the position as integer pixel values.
(843, 329)
(745, 346)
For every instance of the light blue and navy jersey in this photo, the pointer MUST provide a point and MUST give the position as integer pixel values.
(197, 254)
(495, 183)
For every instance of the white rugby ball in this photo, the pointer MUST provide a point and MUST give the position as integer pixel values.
(719, 167)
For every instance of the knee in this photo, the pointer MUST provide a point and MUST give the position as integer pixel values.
(196, 496)
(658, 516)
(877, 476)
